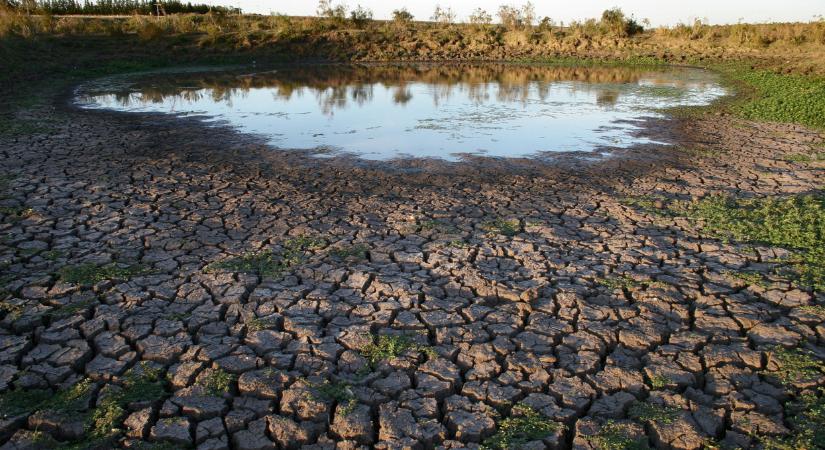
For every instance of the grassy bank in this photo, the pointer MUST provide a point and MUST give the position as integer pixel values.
(42, 54)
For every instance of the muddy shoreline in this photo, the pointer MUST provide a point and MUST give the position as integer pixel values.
(500, 314)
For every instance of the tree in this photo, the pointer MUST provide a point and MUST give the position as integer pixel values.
(443, 15)
(480, 17)
(360, 16)
(513, 17)
(402, 15)
(330, 11)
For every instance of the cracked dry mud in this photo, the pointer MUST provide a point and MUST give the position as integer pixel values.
(254, 283)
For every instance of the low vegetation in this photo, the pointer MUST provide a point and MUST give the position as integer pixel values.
(796, 223)
(796, 370)
(503, 227)
(91, 273)
(357, 251)
(339, 392)
(385, 347)
(617, 436)
(217, 382)
(269, 263)
(524, 425)
(651, 412)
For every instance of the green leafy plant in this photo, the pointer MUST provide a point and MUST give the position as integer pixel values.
(659, 382)
(796, 223)
(651, 412)
(617, 436)
(750, 278)
(339, 392)
(358, 251)
(217, 382)
(503, 227)
(386, 347)
(796, 366)
(90, 273)
(267, 263)
(524, 425)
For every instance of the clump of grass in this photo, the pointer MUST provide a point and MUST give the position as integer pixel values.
(16, 213)
(503, 227)
(147, 385)
(750, 278)
(647, 203)
(525, 425)
(796, 223)
(617, 436)
(90, 273)
(264, 263)
(437, 225)
(650, 412)
(807, 419)
(813, 309)
(217, 382)
(796, 366)
(339, 392)
(626, 282)
(358, 251)
(618, 282)
(806, 158)
(259, 324)
(19, 402)
(267, 263)
(659, 382)
(71, 309)
(386, 347)
(13, 311)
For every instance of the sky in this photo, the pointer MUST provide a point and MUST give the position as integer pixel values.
(660, 12)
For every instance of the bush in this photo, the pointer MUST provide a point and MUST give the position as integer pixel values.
(361, 16)
(614, 22)
(402, 15)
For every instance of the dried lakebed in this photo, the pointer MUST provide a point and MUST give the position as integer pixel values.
(172, 285)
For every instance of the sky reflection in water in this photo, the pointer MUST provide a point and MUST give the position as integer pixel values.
(382, 112)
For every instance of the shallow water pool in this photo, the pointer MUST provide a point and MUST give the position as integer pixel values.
(382, 112)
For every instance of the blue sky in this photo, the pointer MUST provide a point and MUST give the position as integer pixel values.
(660, 12)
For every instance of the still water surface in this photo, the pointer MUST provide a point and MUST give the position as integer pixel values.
(381, 112)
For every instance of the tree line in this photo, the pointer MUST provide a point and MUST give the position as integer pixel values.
(114, 7)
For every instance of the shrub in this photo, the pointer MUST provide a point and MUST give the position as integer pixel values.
(361, 16)
(443, 15)
(402, 16)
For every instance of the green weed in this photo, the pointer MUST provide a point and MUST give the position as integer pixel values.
(650, 412)
(796, 366)
(750, 278)
(503, 227)
(16, 213)
(659, 382)
(796, 223)
(386, 347)
(339, 392)
(524, 425)
(648, 203)
(617, 436)
(268, 263)
(217, 382)
(813, 309)
(806, 416)
(259, 324)
(627, 282)
(806, 158)
(90, 273)
(780, 97)
(358, 251)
